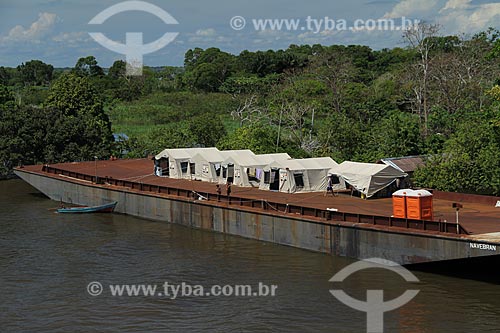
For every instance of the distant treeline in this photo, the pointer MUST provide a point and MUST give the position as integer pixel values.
(438, 97)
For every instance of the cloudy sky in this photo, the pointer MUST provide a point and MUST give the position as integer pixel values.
(57, 31)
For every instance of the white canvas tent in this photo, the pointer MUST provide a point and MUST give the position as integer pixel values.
(236, 153)
(367, 178)
(207, 165)
(233, 166)
(169, 161)
(248, 167)
(270, 158)
(294, 176)
(245, 170)
(181, 162)
(318, 162)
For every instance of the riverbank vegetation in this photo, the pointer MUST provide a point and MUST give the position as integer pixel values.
(438, 97)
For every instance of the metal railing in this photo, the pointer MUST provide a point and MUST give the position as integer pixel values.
(269, 206)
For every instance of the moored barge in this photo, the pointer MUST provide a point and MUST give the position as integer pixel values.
(341, 225)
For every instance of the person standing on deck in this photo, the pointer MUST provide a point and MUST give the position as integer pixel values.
(219, 191)
(329, 187)
(228, 189)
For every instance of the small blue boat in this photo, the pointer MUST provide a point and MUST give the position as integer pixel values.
(107, 208)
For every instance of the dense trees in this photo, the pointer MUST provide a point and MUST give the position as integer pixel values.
(71, 126)
(84, 126)
(88, 67)
(259, 139)
(355, 103)
(470, 160)
(437, 97)
(35, 73)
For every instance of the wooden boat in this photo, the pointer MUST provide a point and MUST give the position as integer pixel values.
(107, 208)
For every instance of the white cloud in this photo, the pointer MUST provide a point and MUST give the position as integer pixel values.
(486, 15)
(411, 8)
(207, 36)
(206, 32)
(71, 37)
(456, 4)
(455, 16)
(458, 15)
(223, 39)
(269, 33)
(325, 36)
(37, 30)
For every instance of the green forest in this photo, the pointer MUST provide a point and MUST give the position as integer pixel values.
(438, 96)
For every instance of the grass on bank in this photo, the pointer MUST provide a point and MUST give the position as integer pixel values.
(137, 119)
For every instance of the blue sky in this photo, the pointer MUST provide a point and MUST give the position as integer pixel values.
(56, 31)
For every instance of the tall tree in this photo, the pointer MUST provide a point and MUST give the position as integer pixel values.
(87, 66)
(35, 73)
(421, 38)
(81, 104)
(207, 70)
(117, 70)
(334, 67)
(4, 76)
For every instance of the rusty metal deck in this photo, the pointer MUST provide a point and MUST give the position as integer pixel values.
(476, 218)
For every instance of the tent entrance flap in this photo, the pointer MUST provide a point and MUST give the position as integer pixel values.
(162, 167)
(228, 173)
(274, 180)
(188, 168)
(184, 167)
(252, 175)
(299, 180)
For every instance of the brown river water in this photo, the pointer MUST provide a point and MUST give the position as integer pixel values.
(48, 260)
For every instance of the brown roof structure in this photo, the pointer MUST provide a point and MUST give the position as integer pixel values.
(405, 164)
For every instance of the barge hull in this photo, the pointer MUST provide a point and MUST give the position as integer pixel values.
(342, 239)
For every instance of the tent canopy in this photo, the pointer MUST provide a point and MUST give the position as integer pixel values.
(367, 178)
(318, 163)
(269, 158)
(207, 165)
(180, 160)
(244, 165)
(179, 153)
(241, 157)
(211, 156)
(236, 153)
(301, 175)
(245, 161)
(185, 153)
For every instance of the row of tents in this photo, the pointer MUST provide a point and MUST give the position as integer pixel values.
(274, 172)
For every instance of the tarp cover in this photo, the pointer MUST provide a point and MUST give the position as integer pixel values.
(367, 178)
